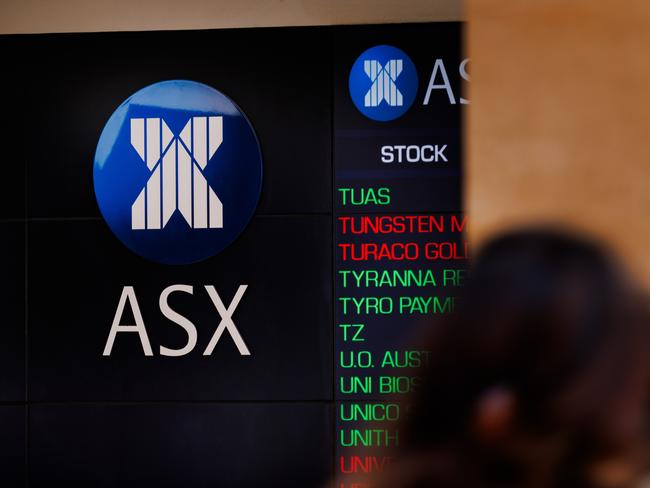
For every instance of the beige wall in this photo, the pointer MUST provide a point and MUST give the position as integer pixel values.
(29, 16)
(559, 127)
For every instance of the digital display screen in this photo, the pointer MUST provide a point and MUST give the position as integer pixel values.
(154, 332)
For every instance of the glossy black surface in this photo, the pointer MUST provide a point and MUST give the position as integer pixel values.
(12, 304)
(227, 445)
(12, 445)
(13, 140)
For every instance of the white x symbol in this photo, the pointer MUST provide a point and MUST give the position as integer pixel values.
(383, 83)
(177, 181)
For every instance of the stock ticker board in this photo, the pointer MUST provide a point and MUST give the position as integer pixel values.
(222, 250)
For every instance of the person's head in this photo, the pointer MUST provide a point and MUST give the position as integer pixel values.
(540, 378)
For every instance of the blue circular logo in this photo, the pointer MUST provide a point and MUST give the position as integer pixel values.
(383, 83)
(177, 172)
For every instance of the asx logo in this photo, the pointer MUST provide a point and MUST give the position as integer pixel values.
(383, 83)
(177, 181)
(177, 172)
(226, 324)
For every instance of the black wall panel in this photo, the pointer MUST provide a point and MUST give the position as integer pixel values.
(180, 445)
(12, 445)
(12, 304)
(71, 416)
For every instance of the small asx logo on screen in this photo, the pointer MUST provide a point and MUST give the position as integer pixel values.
(177, 172)
(383, 83)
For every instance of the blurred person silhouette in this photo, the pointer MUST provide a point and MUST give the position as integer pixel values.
(540, 379)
